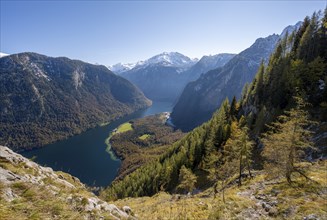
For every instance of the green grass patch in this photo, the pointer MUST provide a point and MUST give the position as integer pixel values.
(144, 137)
(124, 127)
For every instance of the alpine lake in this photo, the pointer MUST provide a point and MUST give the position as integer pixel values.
(85, 155)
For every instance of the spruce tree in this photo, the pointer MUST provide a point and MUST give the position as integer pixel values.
(259, 78)
(234, 108)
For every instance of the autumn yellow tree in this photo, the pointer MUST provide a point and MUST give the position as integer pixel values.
(234, 158)
(239, 148)
(286, 141)
(187, 179)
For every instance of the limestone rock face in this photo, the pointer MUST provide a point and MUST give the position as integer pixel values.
(40, 189)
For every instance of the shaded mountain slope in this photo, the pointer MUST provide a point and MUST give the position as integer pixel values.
(205, 64)
(160, 76)
(202, 97)
(44, 99)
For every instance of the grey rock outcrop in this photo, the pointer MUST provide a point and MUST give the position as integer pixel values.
(17, 171)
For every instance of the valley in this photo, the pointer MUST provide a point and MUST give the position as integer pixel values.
(238, 134)
(85, 156)
(164, 76)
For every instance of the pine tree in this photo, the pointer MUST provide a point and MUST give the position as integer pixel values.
(213, 169)
(296, 45)
(323, 36)
(245, 92)
(285, 142)
(259, 85)
(239, 148)
(234, 108)
(217, 131)
(308, 43)
(187, 179)
(225, 171)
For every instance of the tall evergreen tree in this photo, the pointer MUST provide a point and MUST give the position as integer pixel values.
(323, 36)
(234, 108)
(259, 79)
(308, 43)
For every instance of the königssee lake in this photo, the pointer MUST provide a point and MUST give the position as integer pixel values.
(84, 155)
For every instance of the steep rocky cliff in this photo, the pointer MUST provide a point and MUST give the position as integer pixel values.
(203, 96)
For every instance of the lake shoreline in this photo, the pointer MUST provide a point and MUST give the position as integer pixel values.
(86, 155)
(146, 141)
(99, 124)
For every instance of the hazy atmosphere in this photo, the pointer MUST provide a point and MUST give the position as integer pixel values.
(108, 32)
(163, 110)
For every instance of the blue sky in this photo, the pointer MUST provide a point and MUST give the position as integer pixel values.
(108, 32)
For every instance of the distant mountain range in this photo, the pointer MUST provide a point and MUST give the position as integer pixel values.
(205, 64)
(203, 96)
(44, 99)
(164, 76)
(122, 67)
(172, 59)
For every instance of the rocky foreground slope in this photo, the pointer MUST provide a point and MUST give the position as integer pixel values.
(29, 191)
(257, 199)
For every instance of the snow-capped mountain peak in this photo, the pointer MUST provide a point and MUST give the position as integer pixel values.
(121, 67)
(173, 59)
(170, 59)
(3, 54)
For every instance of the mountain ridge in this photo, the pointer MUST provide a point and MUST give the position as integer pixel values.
(207, 63)
(175, 59)
(163, 76)
(59, 97)
(202, 97)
